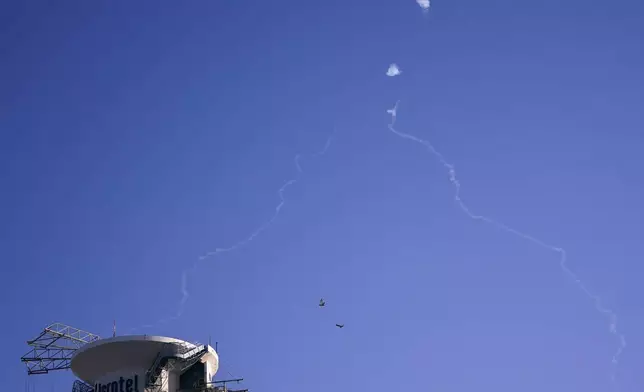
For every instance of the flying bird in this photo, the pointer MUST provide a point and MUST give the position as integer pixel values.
(340, 325)
(322, 303)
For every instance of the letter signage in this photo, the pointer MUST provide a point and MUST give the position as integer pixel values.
(122, 385)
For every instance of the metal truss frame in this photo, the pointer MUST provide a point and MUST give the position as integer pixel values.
(54, 347)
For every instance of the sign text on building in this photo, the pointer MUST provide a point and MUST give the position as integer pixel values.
(122, 385)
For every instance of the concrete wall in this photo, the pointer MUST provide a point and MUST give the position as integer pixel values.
(173, 382)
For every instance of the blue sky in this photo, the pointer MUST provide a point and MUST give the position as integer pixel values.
(136, 136)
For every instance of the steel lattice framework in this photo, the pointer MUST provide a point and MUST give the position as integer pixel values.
(80, 386)
(54, 347)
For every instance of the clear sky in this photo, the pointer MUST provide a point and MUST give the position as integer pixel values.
(136, 136)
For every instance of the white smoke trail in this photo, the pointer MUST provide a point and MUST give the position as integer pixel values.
(278, 208)
(612, 316)
(185, 294)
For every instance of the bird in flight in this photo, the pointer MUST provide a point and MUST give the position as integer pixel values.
(340, 325)
(322, 303)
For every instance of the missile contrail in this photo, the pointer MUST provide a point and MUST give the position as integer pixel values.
(185, 294)
(597, 301)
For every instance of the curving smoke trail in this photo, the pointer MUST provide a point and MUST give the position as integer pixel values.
(185, 294)
(278, 208)
(599, 306)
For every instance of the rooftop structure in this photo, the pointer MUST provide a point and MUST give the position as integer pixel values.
(137, 363)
